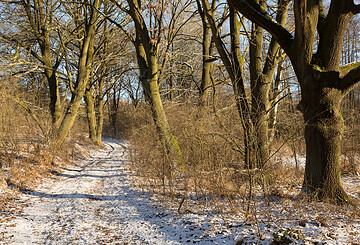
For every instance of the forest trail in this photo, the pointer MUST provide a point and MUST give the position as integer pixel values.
(94, 202)
(91, 203)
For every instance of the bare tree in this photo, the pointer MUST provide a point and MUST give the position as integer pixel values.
(153, 35)
(87, 29)
(253, 107)
(39, 23)
(324, 83)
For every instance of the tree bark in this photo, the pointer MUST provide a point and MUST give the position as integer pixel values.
(275, 93)
(84, 70)
(323, 83)
(55, 102)
(146, 51)
(260, 88)
(100, 116)
(324, 127)
(207, 63)
(90, 112)
(167, 139)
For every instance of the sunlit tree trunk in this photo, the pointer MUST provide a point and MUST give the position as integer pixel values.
(146, 50)
(275, 93)
(90, 112)
(84, 70)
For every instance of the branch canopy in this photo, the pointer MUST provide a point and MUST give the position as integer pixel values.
(254, 12)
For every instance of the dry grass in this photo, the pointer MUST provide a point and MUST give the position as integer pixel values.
(212, 149)
(25, 156)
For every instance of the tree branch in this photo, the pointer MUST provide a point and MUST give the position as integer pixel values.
(118, 25)
(351, 79)
(26, 47)
(31, 113)
(253, 11)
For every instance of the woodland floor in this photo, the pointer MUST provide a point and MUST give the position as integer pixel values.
(95, 201)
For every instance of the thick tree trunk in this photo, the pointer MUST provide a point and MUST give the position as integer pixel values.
(55, 102)
(323, 137)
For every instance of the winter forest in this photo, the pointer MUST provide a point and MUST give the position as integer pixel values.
(179, 122)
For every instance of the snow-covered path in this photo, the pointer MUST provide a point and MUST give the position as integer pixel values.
(95, 203)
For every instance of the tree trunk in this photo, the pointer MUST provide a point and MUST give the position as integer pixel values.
(323, 136)
(260, 120)
(84, 68)
(275, 93)
(55, 102)
(100, 116)
(146, 53)
(208, 50)
(90, 112)
(166, 137)
(260, 88)
(71, 113)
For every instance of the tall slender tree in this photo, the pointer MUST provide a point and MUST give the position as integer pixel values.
(261, 76)
(88, 28)
(149, 24)
(208, 49)
(253, 107)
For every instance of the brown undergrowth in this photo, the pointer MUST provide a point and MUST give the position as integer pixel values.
(216, 179)
(213, 151)
(212, 147)
(25, 155)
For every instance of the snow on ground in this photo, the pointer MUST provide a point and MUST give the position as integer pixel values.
(95, 202)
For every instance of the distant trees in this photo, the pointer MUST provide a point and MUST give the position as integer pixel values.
(324, 83)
